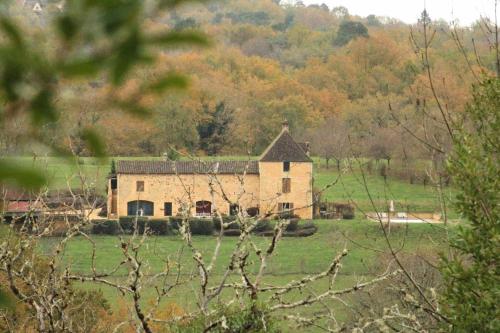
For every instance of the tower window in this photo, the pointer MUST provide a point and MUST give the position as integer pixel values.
(286, 166)
(286, 185)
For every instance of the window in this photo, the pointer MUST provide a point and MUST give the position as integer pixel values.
(286, 166)
(203, 208)
(140, 208)
(234, 209)
(167, 209)
(139, 185)
(285, 206)
(114, 183)
(286, 185)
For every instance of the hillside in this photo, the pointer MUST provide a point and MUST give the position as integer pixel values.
(312, 65)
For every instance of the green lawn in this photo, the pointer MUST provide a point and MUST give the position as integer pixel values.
(293, 257)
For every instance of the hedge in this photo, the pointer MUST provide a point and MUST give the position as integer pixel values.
(160, 227)
(105, 227)
(293, 225)
(263, 225)
(296, 230)
(229, 221)
(126, 225)
(198, 226)
(201, 226)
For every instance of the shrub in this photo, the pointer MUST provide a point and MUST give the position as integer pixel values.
(175, 222)
(293, 225)
(160, 227)
(348, 214)
(105, 227)
(301, 232)
(230, 221)
(249, 319)
(285, 216)
(263, 225)
(127, 224)
(253, 211)
(201, 226)
(103, 212)
(308, 225)
(383, 171)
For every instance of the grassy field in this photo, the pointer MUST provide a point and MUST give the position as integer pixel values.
(294, 257)
(349, 188)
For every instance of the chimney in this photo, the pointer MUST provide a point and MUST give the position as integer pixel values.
(308, 149)
(285, 125)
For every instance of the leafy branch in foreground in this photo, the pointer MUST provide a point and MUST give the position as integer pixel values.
(90, 40)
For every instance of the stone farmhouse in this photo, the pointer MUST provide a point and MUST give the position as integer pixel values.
(279, 181)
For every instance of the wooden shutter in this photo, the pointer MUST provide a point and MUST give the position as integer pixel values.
(286, 185)
(140, 186)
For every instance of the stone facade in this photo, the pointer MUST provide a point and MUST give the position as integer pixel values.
(280, 181)
(271, 187)
(183, 191)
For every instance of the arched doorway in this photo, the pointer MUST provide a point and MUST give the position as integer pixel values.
(203, 208)
(140, 208)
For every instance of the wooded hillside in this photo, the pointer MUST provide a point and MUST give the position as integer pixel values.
(343, 82)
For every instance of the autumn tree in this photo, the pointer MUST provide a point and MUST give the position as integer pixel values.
(330, 141)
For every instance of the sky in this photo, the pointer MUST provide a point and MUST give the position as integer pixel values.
(466, 11)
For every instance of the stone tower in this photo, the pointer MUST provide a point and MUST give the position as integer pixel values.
(286, 177)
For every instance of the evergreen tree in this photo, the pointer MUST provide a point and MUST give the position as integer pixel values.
(348, 31)
(472, 276)
(214, 131)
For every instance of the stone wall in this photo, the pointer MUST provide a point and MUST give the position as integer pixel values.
(271, 175)
(187, 189)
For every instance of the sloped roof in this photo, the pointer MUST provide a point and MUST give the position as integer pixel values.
(284, 148)
(187, 167)
(304, 146)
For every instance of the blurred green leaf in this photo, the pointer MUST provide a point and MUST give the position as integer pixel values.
(67, 27)
(175, 3)
(94, 142)
(169, 81)
(178, 38)
(127, 54)
(42, 110)
(11, 31)
(25, 177)
(83, 67)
